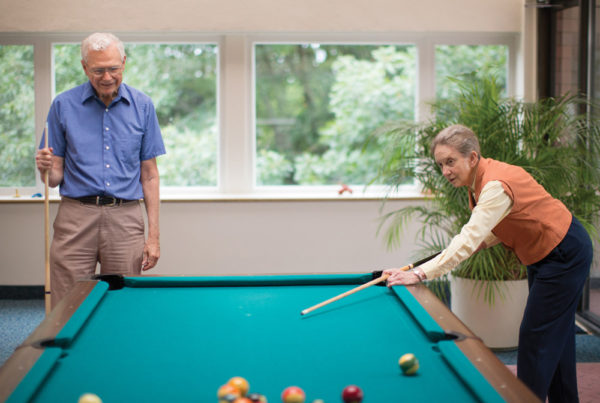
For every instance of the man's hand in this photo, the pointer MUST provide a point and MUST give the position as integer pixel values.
(46, 161)
(151, 254)
(43, 159)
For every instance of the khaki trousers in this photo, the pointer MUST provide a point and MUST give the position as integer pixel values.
(86, 234)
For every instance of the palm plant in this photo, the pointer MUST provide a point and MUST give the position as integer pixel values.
(554, 139)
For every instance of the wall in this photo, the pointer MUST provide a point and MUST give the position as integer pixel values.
(232, 237)
(262, 15)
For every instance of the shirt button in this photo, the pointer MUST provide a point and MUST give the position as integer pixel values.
(108, 165)
(106, 109)
(107, 183)
(107, 129)
(107, 147)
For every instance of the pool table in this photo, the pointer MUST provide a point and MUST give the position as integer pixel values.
(178, 339)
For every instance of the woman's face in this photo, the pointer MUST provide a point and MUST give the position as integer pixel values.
(458, 169)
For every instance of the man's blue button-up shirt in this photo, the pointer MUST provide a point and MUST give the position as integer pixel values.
(103, 146)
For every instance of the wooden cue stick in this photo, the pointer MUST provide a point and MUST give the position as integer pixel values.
(366, 285)
(47, 295)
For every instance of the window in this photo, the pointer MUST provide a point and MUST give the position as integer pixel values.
(181, 79)
(269, 115)
(17, 124)
(316, 105)
(456, 61)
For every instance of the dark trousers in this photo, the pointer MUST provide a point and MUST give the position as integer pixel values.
(546, 359)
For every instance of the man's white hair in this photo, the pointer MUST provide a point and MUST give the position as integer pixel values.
(100, 41)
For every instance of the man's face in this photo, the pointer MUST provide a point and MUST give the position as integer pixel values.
(104, 68)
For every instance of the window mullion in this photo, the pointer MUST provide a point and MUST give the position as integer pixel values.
(425, 79)
(43, 74)
(236, 146)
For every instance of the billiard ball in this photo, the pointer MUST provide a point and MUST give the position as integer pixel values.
(257, 398)
(228, 389)
(352, 394)
(240, 384)
(228, 398)
(89, 398)
(409, 364)
(293, 394)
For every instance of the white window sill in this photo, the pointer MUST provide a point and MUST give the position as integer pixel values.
(276, 193)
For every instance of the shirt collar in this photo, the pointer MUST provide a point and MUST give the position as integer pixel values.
(122, 93)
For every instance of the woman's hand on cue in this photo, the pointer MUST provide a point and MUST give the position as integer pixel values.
(401, 277)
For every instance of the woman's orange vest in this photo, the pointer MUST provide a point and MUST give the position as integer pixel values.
(537, 222)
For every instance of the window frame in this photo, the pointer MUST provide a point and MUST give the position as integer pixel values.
(236, 111)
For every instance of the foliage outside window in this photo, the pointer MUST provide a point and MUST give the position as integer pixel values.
(181, 79)
(17, 137)
(479, 61)
(317, 104)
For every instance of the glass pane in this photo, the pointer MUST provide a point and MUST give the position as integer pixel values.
(317, 104)
(17, 123)
(460, 61)
(181, 79)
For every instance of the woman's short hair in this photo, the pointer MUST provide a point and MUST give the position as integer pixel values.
(100, 41)
(459, 137)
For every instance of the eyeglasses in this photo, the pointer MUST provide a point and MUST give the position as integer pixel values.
(113, 70)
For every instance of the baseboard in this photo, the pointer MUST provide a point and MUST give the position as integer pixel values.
(589, 322)
(21, 292)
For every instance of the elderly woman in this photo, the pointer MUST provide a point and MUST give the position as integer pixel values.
(510, 207)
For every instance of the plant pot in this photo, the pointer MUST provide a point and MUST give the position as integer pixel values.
(497, 324)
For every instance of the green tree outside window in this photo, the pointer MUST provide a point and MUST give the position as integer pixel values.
(17, 122)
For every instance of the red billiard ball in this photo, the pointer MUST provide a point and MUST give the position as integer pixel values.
(293, 394)
(352, 394)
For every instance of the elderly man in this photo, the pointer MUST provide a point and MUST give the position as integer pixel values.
(104, 138)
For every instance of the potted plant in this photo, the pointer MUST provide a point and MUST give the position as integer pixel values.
(555, 140)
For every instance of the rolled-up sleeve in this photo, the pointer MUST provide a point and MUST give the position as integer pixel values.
(493, 205)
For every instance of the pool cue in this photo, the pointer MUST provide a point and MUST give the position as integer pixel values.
(48, 294)
(366, 285)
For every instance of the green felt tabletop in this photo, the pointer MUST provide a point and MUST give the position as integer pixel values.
(179, 339)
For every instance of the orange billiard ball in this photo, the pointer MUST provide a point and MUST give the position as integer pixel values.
(240, 384)
(293, 394)
(228, 389)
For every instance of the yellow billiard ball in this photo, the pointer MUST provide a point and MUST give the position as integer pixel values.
(89, 398)
(409, 364)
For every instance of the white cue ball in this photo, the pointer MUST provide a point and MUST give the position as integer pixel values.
(89, 398)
